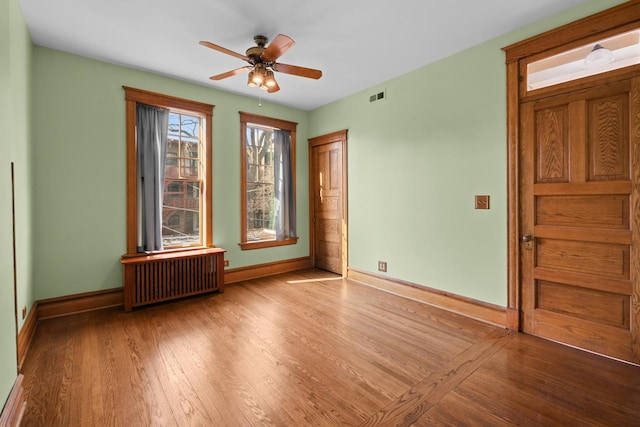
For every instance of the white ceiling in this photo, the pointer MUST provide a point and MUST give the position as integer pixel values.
(356, 43)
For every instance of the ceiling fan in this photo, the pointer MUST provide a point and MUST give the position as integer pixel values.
(262, 62)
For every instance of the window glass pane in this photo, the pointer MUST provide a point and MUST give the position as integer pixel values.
(260, 191)
(190, 129)
(188, 168)
(181, 213)
(183, 175)
(171, 164)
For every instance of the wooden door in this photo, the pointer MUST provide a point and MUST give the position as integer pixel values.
(328, 207)
(579, 179)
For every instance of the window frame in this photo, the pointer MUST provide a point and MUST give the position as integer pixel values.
(249, 118)
(205, 111)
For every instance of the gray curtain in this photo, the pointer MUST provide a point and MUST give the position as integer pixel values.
(152, 126)
(283, 182)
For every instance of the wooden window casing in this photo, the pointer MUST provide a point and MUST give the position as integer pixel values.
(248, 118)
(205, 111)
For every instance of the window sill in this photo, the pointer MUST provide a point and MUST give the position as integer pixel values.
(261, 244)
(163, 255)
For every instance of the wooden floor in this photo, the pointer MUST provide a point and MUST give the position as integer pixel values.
(312, 349)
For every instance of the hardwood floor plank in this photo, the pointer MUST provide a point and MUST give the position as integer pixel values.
(84, 360)
(50, 387)
(108, 372)
(234, 384)
(563, 376)
(456, 411)
(535, 382)
(257, 351)
(311, 349)
(184, 403)
(398, 337)
(287, 347)
(428, 393)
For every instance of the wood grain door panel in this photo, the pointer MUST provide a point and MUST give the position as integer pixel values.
(328, 207)
(593, 336)
(608, 137)
(579, 285)
(600, 259)
(588, 211)
(574, 300)
(326, 169)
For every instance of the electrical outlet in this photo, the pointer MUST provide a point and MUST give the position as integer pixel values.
(24, 312)
(226, 263)
(382, 266)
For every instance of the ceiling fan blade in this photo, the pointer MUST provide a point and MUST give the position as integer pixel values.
(277, 47)
(273, 88)
(223, 50)
(230, 73)
(297, 71)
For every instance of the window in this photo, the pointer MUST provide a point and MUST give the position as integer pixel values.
(184, 195)
(612, 53)
(268, 182)
(182, 182)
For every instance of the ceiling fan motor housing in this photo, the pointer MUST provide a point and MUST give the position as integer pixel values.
(254, 53)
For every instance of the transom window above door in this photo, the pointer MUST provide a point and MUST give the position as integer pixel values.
(608, 54)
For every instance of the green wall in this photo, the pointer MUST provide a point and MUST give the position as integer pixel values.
(79, 170)
(15, 54)
(7, 319)
(21, 138)
(417, 159)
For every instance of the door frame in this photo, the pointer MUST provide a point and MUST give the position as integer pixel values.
(337, 136)
(618, 19)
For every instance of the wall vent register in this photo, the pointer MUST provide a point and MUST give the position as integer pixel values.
(380, 96)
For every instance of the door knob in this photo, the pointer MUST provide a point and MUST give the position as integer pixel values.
(527, 239)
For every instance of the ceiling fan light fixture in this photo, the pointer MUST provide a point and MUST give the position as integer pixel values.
(259, 72)
(250, 81)
(270, 81)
